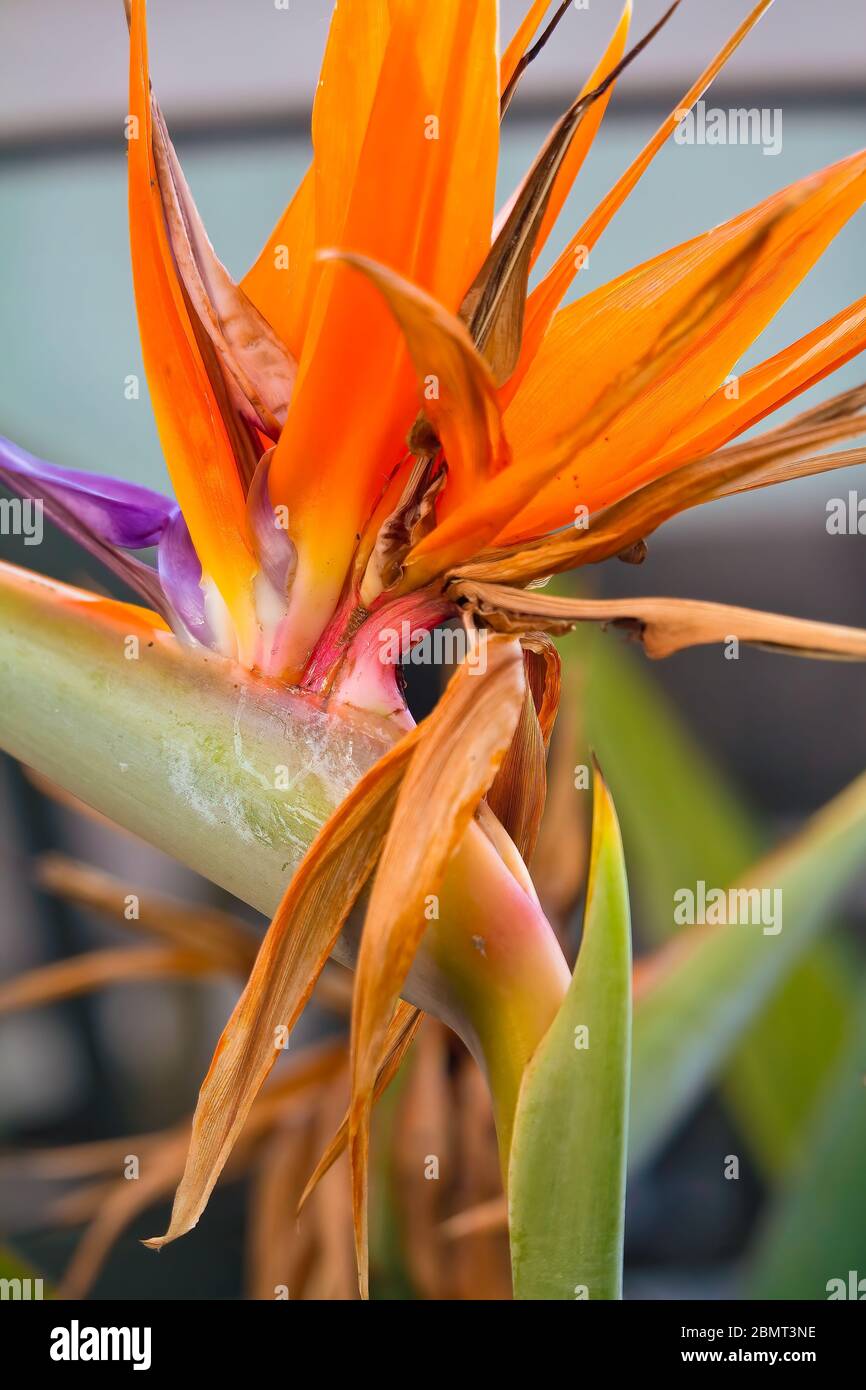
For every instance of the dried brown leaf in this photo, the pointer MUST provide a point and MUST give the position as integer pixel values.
(481, 1262)
(333, 1276)
(663, 625)
(227, 941)
(495, 303)
(422, 1134)
(98, 969)
(517, 794)
(279, 1250)
(292, 955)
(543, 666)
(560, 859)
(412, 518)
(128, 1199)
(401, 1034)
(76, 1160)
(486, 1216)
(464, 741)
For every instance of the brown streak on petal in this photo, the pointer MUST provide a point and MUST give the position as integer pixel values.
(778, 455)
(258, 366)
(494, 305)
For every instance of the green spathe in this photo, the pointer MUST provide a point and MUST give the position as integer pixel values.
(234, 775)
(568, 1157)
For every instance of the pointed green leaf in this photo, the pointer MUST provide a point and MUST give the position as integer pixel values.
(700, 829)
(705, 988)
(567, 1169)
(778, 1072)
(816, 1235)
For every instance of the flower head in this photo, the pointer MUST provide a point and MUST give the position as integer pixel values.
(382, 427)
(381, 408)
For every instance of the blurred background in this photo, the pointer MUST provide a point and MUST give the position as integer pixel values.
(778, 736)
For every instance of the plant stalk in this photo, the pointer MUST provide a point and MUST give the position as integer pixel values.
(234, 774)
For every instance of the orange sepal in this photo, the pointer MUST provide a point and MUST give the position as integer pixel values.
(800, 222)
(586, 131)
(193, 436)
(735, 407)
(647, 351)
(457, 393)
(280, 283)
(422, 205)
(549, 293)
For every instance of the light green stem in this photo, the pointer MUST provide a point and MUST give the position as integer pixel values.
(234, 775)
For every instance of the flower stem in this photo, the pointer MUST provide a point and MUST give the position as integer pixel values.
(234, 774)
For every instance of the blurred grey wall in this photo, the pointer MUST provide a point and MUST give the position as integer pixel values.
(64, 61)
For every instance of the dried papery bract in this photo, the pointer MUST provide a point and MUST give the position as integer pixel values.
(451, 768)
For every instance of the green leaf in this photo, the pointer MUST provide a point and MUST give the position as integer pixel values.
(700, 829)
(681, 818)
(24, 1279)
(817, 1231)
(705, 989)
(568, 1156)
(390, 1279)
(779, 1070)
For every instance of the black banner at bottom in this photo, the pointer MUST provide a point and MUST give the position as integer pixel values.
(75, 1339)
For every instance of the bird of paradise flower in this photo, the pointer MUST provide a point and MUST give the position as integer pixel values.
(382, 423)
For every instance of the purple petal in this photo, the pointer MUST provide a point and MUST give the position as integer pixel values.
(108, 516)
(180, 576)
(120, 513)
(274, 547)
(21, 473)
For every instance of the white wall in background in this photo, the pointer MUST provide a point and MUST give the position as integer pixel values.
(63, 62)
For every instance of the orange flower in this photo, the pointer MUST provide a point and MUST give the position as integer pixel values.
(438, 413)
(381, 409)
(382, 427)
